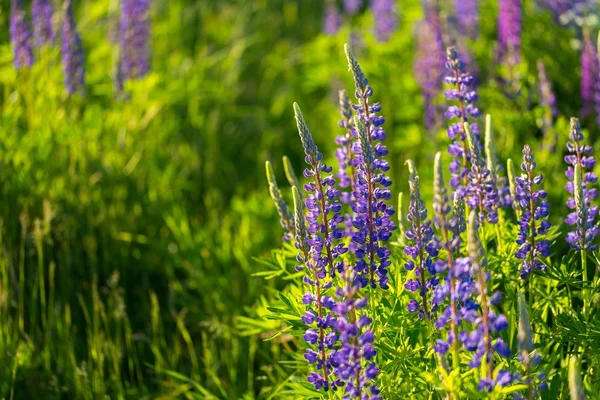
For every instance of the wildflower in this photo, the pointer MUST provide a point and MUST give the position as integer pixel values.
(421, 249)
(372, 215)
(509, 31)
(534, 207)
(134, 31)
(386, 18)
(464, 97)
(322, 204)
(43, 32)
(71, 52)
(481, 189)
(499, 182)
(332, 19)
(548, 103)
(318, 316)
(584, 215)
(285, 215)
(429, 62)
(352, 6)
(589, 74)
(20, 36)
(467, 14)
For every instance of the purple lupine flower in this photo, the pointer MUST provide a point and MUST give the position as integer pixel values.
(464, 97)
(480, 341)
(386, 19)
(72, 53)
(352, 6)
(134, 31)
(509, 31)
(429, 62)
(559, 7)
(322, 202)
(548, 103)
(41, 13)
(20, 36)
(372, 213)
(319, 318)
(584, 215)
(332, 19)
(482, 193)
(421, 248)
(354, 360)
(286, 218)
(589, 75)
(345, 157)
(467, 15)
(534, 218)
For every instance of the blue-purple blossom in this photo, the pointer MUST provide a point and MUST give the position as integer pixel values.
(386, 18)
(548, 103)
(589, 75)
(41, 15)
(467, 15)
(345, 159)
(462, 97)
(420, 249)
(534, 223)
(429, 62)
(372, 213)
(352, 6)
(584, 215)
(71, 53)
(332, 20)
(134, 32)
(509, 31)
(482, 194)
(20, 36)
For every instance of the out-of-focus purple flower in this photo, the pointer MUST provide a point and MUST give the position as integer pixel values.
(467, 15)
(352, 6)
(534, 218)
(386, 18)
(509, 31)
(584, 215)
(462, 107)
(72, 53)
(332, 20)
(372, 213)
(429, 62)
(134, 31)
(589, 75)
(548, 103)
(20, 36)
(41, 13)
(559, 7)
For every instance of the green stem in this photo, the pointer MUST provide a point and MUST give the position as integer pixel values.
(584, 292)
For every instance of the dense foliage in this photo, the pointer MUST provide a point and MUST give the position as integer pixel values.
(136, 220)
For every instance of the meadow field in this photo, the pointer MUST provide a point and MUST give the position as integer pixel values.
(425, 228)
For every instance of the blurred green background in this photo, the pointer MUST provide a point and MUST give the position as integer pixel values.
(129, 225)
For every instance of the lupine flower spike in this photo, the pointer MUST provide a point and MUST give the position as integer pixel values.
(285, 215)
(20, 36)
(323, 206)
(480, 339)
(346, 160)
(534, 223)
(352, 6)
(584, 215)
(332, 19)
(510, 170)
(548, 103)
(41, 15)
(464, 97)
(386, 18)
(318, 317)
(467, 14)
(71, 52)
(509, 31)
(134, 31)
(481, 190)
(372, 215)
(421, 249)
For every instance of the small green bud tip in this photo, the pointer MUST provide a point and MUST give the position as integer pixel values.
(470, 137)
(490, 147)
(270, 173)
(576, 389)
(578, 187)
(412, 171)
(290, 174)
